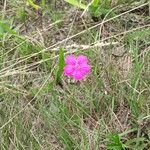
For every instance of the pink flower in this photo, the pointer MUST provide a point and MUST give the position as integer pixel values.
(76, 67)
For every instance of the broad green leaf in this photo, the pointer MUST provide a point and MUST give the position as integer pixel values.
(5, 28)
(61, 64)
(95, 3)
(76, 3)
(43, 3)
(115, 142)
(35, 6)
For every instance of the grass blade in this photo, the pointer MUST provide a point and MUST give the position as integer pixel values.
(61, 64)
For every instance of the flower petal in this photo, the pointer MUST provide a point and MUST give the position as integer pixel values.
(85, 69)
(78, 75)
(68, 70)
(81, 59)
(70, 60)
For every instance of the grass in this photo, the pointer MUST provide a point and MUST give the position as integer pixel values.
(109, 110)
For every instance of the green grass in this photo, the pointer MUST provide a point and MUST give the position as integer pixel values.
(110, 110)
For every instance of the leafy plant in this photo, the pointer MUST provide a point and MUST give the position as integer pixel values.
(99, 8)
(5, 28)
(22, 14)
(96, 8)
(43, 3)
(31, 3)
(76, 3)
(115, 142)
(136, 143)
(133, 43)
(61, 64)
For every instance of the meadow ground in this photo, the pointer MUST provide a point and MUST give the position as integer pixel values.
(109, 109)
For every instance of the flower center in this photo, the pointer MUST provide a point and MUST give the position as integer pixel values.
(77, 66)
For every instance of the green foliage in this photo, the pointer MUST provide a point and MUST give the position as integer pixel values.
(5, 28)
(136, 143)
(137, 37)
(133, 43)
(47, 64)
(80, 115)
(35, 6)
(96, 7)
(22, 14)
(76, 3)
(66, 139)
(98, 11)
(43, 3)
(115, 142)
(95, 3)
(26, 48)
(61, 64)
(99, 8)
